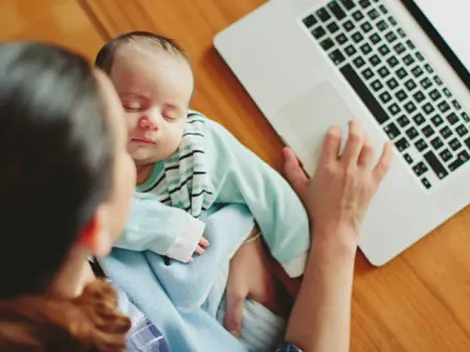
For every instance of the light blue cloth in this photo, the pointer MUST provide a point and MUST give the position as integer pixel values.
(183, 300)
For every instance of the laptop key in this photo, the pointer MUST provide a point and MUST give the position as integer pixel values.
(435, 95)
(384, 50)
(401, 73)
(426, 83)
(452, 118)
(446, 132)
(461, 130)
(456, 105)
(383, 9)
(373, 14)
(366, 27)
(438, 80)
(323, 14)
(391, 37)
(447, 92)
(394, 109)
(382, 25)
(327, 44)
(368, 73)
(437, 120)
(462, 158)
(336, 10)
(408, 60)
(410, 44)
(350, 50)
(376, 85)
(455, 144)
(443, 107)
(392, 131)
(401, 32)
(366, 49)
(318, 32)
(410, 107)
(401, 95)
(428, 131)
(426, 183)
(359, 62)
(419, 119)
(428, 68)
(337, 57)
(402, 144)
(310, 21)
(348, 26)
(412, 133)
(358, 37)
(420, 168)
(420, 56)
(419, 97)
(445, 155)
(465, 117)
(364, 3)
(417, 71)
(403, 121)
(435, 165)
(421, 145)
(428, 108)
(358, 15)
(392, 83)
(393, 61)
(437, 143)
(408, 158)
(348, 4)
(332, 27)
(364, 93)
(341, 39)
(375, 60)
(375, 38)
(392, 21)
(399, 48)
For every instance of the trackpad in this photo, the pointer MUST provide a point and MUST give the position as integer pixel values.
(304, 121)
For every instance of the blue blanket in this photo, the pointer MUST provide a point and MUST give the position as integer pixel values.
(181, 299)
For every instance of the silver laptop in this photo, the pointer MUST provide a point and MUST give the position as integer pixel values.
(401, 66)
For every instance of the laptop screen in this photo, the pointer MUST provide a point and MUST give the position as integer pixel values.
(446, 23)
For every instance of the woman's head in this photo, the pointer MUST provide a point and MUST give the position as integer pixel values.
(64, 172)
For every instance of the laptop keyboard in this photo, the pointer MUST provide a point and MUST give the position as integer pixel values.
(401, 89)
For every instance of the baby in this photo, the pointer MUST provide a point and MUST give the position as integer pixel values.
(190, 162)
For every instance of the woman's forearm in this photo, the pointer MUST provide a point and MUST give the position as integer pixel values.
(320, 318)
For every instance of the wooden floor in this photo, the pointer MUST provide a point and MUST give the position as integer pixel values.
(419, 302)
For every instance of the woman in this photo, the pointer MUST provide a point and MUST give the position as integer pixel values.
(66, 182)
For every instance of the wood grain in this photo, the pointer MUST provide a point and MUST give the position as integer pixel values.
(58, 21)
(418, 302)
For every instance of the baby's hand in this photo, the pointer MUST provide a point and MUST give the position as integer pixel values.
(201, 247)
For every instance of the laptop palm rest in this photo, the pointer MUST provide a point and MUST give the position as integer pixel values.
(303, 121)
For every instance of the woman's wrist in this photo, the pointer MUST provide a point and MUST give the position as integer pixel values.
(335, 242)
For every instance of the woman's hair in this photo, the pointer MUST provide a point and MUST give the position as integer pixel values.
(105, 58)
(56, 167)
(56, 160)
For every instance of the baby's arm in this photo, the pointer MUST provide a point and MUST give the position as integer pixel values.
(239, 176)
(162, 229)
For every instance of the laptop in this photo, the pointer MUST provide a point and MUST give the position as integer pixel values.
(400, 66)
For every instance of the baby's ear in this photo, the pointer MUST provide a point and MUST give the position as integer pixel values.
(96, 235)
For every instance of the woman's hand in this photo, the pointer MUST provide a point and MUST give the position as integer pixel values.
(250, 276)
(338, 195)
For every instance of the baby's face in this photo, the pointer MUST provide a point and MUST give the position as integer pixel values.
(155, 90)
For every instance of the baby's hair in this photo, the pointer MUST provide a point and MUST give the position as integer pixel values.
(105, 58)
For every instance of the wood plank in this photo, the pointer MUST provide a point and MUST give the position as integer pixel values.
(57, 21)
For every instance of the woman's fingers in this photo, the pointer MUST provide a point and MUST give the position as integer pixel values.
(354, 144)
(295, 175)
(383, 164)
(367, 153)
(331, 145)
(204, 242)
(234, 299)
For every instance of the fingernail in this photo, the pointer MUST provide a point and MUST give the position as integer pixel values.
(234, 333)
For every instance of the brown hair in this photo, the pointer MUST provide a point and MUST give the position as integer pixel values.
(105, 58)
(88, 323)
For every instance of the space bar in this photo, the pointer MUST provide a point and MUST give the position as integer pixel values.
(364, 93)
